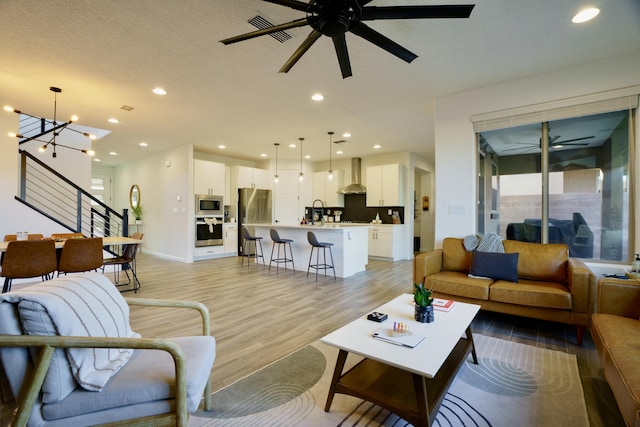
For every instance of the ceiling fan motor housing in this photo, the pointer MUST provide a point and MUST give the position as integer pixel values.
(335, 17)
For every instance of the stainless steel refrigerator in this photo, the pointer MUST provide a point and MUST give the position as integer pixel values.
(254, 207)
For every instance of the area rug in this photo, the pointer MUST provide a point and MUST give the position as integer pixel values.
(513, 385)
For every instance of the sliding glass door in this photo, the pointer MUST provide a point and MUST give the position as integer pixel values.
(563, 181)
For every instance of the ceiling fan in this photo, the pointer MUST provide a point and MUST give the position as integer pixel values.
(334, 18)
(553, 142)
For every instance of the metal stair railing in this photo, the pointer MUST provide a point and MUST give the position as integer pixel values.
(62, 201)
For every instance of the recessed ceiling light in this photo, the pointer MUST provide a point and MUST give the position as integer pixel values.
(307, 156)
(113, 120)
(317, 97)
(346, 135)
(292, 145)
(222, 146)
(377, 146)
(339, 152)
(585, 15)
(263, 155)
(113, 153)
(143, 144)
(97, 160)
(159, 91)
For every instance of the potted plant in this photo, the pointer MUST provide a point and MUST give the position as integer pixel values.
(423, 299)
(137, 213)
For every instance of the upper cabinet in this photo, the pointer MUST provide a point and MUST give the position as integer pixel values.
(208, 178)
(253, 178)
(327, 190)
(385, 185)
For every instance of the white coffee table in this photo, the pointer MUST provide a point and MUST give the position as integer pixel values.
(410, 382)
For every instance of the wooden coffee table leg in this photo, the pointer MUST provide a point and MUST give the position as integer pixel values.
(420, 387)
(337, 373)
(473, 345)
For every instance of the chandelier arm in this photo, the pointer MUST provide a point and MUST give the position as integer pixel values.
(53, 129)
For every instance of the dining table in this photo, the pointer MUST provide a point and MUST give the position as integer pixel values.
(107, 241)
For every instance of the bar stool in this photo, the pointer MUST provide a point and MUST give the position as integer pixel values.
(313, 241)
(277, 241)
(246, 247)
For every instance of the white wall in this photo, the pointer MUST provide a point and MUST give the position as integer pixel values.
(455, 140)
(166, 189)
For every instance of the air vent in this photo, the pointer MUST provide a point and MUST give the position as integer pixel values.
(262, 24)
(126, 108)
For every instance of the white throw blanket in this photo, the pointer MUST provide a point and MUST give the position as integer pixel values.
(484, 243)
(79, 305)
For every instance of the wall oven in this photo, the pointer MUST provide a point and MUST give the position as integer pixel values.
(209, 230)
(209, 205)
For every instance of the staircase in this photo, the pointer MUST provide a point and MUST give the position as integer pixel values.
(54, 196)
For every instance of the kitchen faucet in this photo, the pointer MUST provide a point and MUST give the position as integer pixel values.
(313, 210)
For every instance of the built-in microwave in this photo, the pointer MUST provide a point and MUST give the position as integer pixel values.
(209, 205)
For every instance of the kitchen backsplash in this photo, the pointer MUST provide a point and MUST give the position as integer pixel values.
(356, 210)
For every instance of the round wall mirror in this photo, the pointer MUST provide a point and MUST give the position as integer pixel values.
(134, 198)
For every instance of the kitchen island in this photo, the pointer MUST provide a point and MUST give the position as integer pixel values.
(350, 244)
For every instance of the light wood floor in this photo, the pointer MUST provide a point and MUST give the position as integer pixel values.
(259, 316)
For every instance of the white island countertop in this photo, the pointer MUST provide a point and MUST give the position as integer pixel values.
(350, 244)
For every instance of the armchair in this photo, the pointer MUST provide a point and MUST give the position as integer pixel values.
(160, 384)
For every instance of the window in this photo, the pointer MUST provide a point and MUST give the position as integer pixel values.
(561, 181)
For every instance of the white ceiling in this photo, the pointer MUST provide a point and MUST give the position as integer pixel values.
(106, 54)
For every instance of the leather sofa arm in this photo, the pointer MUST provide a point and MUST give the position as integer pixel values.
(620, 297)
(582, 285)
(426, 263)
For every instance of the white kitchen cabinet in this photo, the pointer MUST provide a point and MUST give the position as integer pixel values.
(208, 178)
(385, 242)
(253, 178)
(227, 185)
(230, 238)
(327, 190)
(385, 185)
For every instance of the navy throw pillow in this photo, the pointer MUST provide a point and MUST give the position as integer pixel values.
(497, 266)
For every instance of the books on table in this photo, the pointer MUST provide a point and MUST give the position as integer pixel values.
(443, 304)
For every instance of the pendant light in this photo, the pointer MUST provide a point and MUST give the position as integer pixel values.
(301, 176)
(330, 176)
(275, 177)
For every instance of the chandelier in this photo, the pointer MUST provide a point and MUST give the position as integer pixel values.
(50, 129)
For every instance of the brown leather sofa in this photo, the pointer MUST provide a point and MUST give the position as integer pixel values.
(551, 285)
(616, 335)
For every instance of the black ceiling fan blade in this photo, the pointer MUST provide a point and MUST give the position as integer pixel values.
(293, 24)
(370, 13)
(383, 42)
(574, 139)
(293, 4)
(302, 49)
(340, 43)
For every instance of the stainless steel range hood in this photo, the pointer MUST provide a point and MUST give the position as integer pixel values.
(355, 187)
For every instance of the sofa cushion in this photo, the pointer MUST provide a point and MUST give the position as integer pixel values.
(615, 331)
(454, 256)
(497, 266)
(148, 376)
(456, 283)
(537, 261)
(531, 293)
(623, 376)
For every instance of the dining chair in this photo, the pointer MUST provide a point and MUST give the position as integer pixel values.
(126, 261)
(25, 259)
(11, 237)
(80, 255)
(67, 235)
